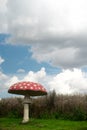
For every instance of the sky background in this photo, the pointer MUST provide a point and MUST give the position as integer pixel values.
(44, 41)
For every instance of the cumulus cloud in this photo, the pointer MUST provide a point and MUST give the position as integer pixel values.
(20, 70)
(70, 82)
(67, 82)
(62, 57)
(1, 60)
(36, 77)
(11, 80)
(38, 21)
(2, 76)
(3, 16)
(55, 30)
(3, 79)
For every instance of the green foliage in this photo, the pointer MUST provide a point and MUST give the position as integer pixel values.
(11, 107)
(52, 106)
(79, 115)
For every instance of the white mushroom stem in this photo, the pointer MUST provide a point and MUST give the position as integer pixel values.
(26, 102)
(26, 113)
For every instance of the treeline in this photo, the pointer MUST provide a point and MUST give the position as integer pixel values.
(72, 107)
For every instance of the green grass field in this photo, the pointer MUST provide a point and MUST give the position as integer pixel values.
(41, 124)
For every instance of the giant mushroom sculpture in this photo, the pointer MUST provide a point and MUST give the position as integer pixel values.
(27, 89)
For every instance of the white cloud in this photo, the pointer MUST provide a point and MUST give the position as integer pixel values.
(3, 80)
(3, 7)
(67, 82)
(20, 70)
(56, 30)
(11, 80)
(70, 82)
(56, 56)
(2, 76)
(38, 21)
(36, 76)
(1, 60)
(3, 16)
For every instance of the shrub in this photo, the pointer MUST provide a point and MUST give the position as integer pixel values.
(72, 107)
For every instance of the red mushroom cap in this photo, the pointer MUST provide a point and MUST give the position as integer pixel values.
(28, 88)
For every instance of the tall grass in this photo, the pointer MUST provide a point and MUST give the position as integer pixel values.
(70, 107)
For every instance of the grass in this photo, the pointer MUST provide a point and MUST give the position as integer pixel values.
(41, 124)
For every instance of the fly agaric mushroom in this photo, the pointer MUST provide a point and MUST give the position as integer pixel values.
(27, 89)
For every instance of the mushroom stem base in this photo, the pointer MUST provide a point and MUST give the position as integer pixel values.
(26, 113)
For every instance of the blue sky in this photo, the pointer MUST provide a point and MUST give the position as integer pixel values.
(17, 57)
(20, 57)
(44, 41)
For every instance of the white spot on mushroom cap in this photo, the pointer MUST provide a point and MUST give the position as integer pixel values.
(21, 87)
(28, 84)
(23, 83)
(31, 87)
(25, 87)
(35, 85)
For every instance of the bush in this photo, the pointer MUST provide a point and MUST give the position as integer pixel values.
(79, 115)
(11, 107)
(72, 107)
